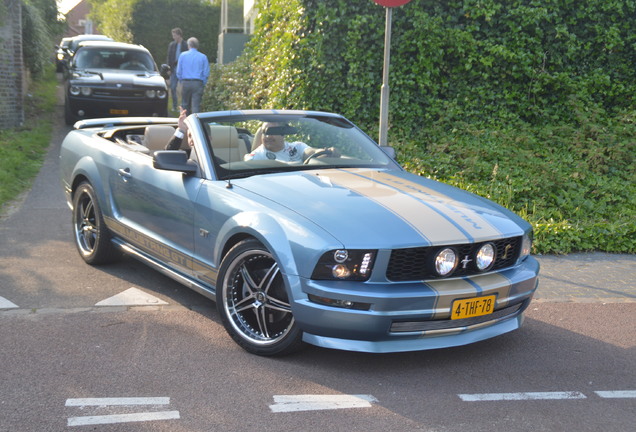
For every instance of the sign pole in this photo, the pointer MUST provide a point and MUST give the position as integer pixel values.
(384, 95)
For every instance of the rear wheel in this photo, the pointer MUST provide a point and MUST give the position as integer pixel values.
(253, 303)
(91, 235)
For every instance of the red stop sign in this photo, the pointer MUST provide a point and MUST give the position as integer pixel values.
(391, 3)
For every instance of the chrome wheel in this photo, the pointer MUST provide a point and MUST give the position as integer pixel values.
(85, 226)
(91, 235)
(253, 301)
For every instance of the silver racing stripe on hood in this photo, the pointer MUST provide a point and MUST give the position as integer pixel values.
(434, 215)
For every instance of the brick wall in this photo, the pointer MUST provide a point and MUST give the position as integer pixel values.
(11, 66)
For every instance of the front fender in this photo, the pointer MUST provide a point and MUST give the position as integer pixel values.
(77, 164)
(296, 247)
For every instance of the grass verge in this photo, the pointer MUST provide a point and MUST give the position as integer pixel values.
(22, 149)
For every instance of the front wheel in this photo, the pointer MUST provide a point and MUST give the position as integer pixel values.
(253, 304)
(69, 118)
(91, 235)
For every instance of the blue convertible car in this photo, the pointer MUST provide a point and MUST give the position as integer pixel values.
(301, 228)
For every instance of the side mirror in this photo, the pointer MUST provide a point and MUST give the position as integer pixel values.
(390, 151)
(173, 160)
(164, 71)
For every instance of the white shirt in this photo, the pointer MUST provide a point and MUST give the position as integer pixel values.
(292, 152)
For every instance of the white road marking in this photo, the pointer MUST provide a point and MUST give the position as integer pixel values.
(520, 396)
(132, 297)
(6, 304)
(120, 418)
(291, 403)
(118, 401)
(619, 394)
(123, 418)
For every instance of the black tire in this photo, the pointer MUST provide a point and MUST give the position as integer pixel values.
(253, 304)
(91, 235)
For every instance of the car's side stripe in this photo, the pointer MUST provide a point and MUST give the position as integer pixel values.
(425, 220)
(469, 220)
(201, 270)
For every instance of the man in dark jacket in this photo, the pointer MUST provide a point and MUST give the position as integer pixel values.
(176, 47)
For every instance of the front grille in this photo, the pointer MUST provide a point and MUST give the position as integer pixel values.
(111, 93)
(415, 264)
(447, 324)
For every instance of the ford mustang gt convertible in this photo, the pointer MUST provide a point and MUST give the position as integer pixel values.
(301, 229)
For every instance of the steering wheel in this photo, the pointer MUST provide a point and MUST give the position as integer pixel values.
(323, 152)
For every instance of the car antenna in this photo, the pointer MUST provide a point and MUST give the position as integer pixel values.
(229, 180)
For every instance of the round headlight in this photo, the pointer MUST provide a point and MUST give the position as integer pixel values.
(86, 91)
(74, 90)
(340, 271)
(340, 255)
(445, 261)
(162, 94)
(486, 256)
(151, 93)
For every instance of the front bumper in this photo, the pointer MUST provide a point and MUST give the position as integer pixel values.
(91, 107)
(415, 315)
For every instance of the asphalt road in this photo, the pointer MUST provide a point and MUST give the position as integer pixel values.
(73, 358)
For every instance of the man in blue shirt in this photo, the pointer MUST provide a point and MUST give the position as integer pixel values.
(193, 70)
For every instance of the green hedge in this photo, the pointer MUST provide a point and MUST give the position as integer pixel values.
(149, 23)
(527, 102)
(40, 31)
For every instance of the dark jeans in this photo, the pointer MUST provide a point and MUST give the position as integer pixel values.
(173, 90)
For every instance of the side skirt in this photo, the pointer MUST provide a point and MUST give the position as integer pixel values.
(138, 254)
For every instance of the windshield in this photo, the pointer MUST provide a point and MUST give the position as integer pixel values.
(108, 58)
(246, 145)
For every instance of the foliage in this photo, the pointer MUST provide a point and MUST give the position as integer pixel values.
(229, 86)
(113, 18)
(22, 150)
(527, 102)
(575, 183)
(149, 22)
(39, 27)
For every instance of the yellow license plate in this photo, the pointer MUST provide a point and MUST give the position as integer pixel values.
(472, 307)
(120, 112)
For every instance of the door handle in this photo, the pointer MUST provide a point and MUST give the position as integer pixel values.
(124, 173)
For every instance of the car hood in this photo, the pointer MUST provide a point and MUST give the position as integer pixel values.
(363, 207)
(126, 78)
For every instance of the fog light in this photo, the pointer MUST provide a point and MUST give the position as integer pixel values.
(445, 261)
(486, 256)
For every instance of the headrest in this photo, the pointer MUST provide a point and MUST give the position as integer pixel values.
(223, 136)
(156, 137)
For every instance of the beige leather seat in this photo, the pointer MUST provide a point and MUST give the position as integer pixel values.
(156, 137)
(226, 144)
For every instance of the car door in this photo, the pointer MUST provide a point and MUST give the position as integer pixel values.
(156, 208)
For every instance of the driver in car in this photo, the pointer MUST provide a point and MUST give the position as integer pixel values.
(274, 146)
